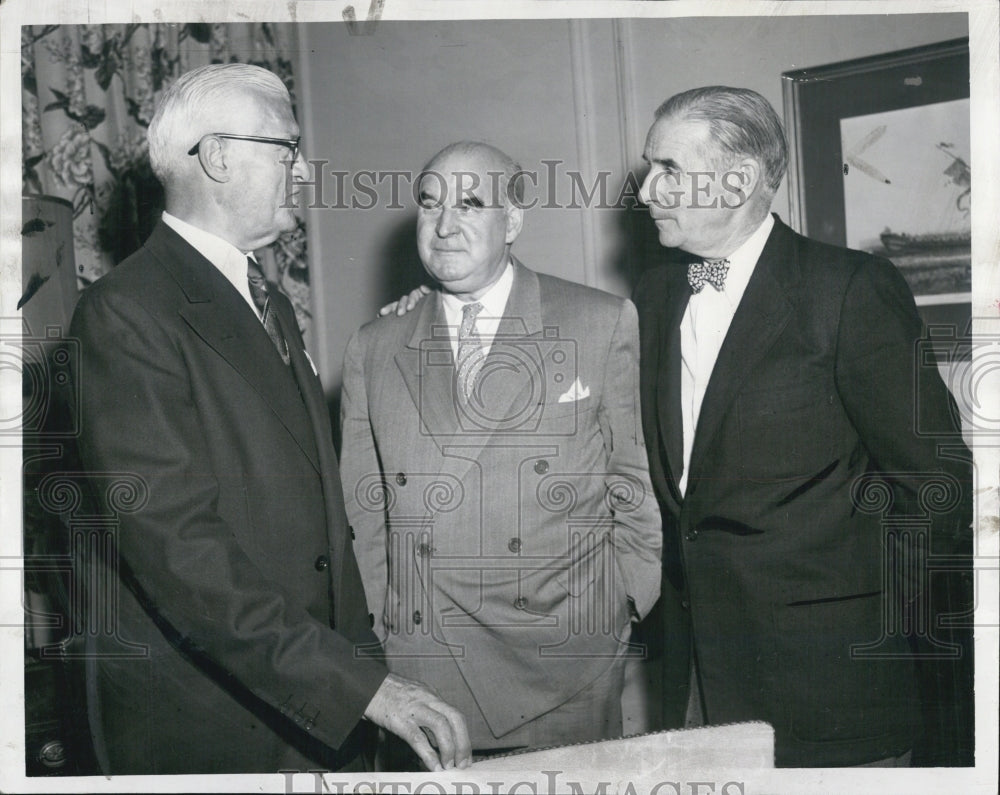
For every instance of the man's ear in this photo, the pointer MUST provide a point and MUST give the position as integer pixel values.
(211, 155)
(754, 175)
(744, 180)
(515, 219)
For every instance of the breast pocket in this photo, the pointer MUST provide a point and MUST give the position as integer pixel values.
(791, 431)
(563, 419)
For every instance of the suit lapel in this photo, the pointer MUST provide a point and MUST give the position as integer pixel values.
(504, 399)
(427, 367)
(319, 415)
(761, 316)
(668, 387)
(311, 392)
(226, 323)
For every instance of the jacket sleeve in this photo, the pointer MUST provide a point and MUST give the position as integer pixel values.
(893, 393)
(139, 415)
(364, 490)
(638, 536)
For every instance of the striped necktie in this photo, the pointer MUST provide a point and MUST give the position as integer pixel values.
(259, 292)
(471, 355)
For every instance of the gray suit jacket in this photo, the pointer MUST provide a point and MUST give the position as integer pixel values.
(506, 535)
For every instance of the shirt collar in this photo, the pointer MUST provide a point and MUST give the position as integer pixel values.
(749, 251)
(494, 301)
(222, 254)
(744, 259)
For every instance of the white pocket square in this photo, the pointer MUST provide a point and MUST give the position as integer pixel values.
(576, 392)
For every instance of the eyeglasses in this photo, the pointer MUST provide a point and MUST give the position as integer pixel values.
(290, 143)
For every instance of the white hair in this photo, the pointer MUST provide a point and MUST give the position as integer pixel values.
(191, 106)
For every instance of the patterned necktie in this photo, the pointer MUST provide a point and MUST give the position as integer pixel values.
(470, 351)
(258, 291)
(711, 271)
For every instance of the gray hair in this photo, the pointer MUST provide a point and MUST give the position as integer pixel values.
(741, 122)
(512, 171)
(189, 107)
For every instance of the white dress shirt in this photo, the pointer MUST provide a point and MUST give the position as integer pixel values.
(229, 260)
(488, 320)
(703, 329)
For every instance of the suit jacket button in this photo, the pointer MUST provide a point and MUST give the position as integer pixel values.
(542, 466)
(692, 535)
(520, 603)
(417, 618)
(401, 479)
(514, 545)
(685, 604)
(322, 563)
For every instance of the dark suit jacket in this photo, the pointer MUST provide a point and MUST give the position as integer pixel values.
(776, 556)
(219, 648)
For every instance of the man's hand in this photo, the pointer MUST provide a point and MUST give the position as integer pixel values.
(405, 302)
(411, 711)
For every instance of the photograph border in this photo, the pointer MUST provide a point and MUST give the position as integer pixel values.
(985, 280)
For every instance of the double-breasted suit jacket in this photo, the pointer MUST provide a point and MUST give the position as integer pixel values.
(777, 555)
(505, 536)
(228, 640)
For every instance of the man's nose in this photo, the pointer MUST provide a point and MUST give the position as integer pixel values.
(300, 169)
(644, 190)
(447, 221)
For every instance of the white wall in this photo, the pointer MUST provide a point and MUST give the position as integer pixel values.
(582, 92)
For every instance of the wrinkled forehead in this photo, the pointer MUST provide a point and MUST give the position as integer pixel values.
(670, 133)
(476, 173)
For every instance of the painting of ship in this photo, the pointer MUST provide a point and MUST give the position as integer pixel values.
(902, 243)
(937, 263)
(934, 263)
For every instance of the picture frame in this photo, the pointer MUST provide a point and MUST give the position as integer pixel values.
(878, 161)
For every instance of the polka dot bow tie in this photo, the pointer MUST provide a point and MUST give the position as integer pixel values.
(711, 271)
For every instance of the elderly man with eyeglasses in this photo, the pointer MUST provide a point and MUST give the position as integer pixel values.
(230, 628)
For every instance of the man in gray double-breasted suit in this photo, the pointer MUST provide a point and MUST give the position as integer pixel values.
(495, 474)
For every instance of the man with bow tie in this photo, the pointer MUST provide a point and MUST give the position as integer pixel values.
(781, 388)
(495, 474)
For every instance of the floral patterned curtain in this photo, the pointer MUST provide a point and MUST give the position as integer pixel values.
(88, 94)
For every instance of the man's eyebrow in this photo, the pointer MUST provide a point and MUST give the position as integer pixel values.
(471, 200)
(665, 162)
(425, 196)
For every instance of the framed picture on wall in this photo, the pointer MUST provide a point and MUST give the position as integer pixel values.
(879, 161)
